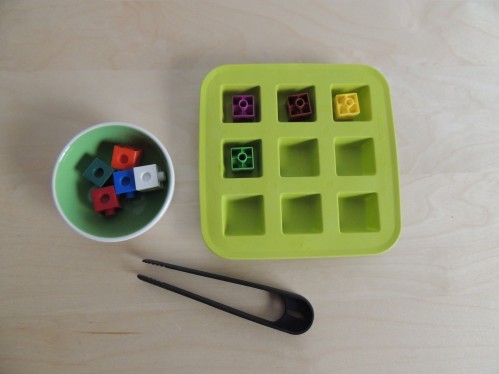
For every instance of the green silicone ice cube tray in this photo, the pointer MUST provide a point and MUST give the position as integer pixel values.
(320, 183)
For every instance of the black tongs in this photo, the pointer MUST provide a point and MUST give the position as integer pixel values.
(296, 319)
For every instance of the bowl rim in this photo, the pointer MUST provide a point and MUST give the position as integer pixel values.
(157, 217)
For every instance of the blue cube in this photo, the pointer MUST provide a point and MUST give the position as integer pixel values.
(124, 183)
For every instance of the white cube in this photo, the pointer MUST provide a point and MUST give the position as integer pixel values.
(148, 177)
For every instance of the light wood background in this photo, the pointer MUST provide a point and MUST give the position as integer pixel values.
(71, 305)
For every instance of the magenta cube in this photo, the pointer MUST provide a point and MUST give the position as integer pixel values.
(243, 108)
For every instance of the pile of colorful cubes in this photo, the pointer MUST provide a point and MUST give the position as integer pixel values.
(128, 178)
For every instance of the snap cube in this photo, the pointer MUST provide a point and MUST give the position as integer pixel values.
(242, 158)
(124, 183)
(346, 106)
(243, 107)
(105, 200)
(148, 177)
(98, 172)
(299, 106)
(125, 157)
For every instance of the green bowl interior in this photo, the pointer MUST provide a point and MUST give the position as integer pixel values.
(72, 190)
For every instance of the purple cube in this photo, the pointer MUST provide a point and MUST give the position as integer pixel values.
(243, 108)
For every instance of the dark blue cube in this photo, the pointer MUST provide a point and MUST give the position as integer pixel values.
(124, 183)
(98, 172)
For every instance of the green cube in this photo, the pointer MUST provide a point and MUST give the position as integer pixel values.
(98, 172)
(242, 159)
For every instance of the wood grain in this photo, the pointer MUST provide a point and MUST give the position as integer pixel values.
(431, 304)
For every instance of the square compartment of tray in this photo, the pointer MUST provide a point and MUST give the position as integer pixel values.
(358, 212)
(301, 214)
(299, 157)
(244, 215)
(354, 156)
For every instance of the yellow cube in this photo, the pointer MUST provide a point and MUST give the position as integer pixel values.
(346, 106)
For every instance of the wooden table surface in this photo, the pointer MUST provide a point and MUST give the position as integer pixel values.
(72, 305)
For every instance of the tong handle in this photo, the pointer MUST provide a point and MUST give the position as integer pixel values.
(296, 319)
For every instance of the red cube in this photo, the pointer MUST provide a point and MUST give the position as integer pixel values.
(105, 200)
(125, 157)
